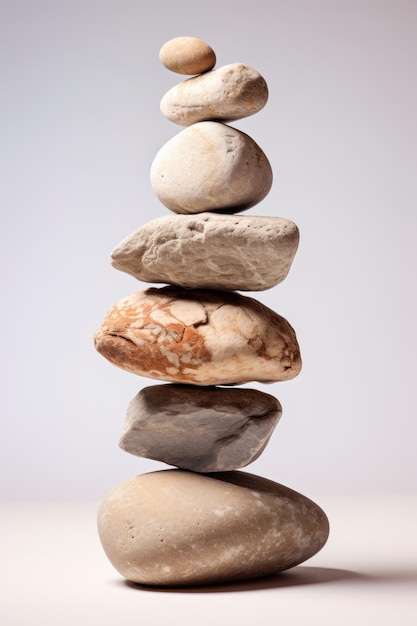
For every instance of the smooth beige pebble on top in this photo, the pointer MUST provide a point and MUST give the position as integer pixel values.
(187, 55)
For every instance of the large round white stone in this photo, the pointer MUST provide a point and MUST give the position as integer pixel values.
(210, 166)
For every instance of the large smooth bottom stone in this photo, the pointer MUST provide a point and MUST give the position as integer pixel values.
(174, 527)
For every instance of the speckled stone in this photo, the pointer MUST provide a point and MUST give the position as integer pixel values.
(210, 251)
(203, 429)
(202, 337)
(182, 528)
(210, 166)
(228, 93)
(187, 55)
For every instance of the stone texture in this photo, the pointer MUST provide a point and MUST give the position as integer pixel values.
(210, 166)
(211, 251)
(201, 337)
(203, 429)
(187, 55)
(181, 528)
(227, 93)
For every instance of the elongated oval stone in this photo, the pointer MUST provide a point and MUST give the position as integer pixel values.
(182, 528)
(187, 55)
(210, 166)
(228, 93)
(201, 337)
(202, 429)
(210, 251)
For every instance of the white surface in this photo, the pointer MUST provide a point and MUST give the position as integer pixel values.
(54, 572)
(81, 83)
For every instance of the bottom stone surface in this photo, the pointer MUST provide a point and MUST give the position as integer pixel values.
(175, 527)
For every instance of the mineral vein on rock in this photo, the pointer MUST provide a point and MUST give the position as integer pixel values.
(199, 336)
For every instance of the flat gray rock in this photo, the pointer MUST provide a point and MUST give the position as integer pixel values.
(210, 166)
(227, 93)
(199, 336)
(209, 250)
(176, 527)
(209, 429)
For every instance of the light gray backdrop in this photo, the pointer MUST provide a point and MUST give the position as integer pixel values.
(80, 90)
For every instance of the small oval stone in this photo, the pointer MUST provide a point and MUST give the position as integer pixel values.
(210, 166)
(197, 336)
(202, 429)
(210, 251)
(228, 93)
(187, 55)
(182, 528)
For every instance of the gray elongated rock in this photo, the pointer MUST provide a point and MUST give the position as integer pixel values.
(211, 251)
(208, 429)
(227, 93)
(182, 528)
(198, 336)
(210, 166)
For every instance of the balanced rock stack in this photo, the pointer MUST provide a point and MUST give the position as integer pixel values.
(205, 522)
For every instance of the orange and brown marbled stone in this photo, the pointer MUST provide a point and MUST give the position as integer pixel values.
(201, 337)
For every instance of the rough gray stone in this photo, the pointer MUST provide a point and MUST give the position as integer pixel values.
(209, 429)
(210, 166)
(211, 251)
(228, 93)
(182, 528)
(197, 336)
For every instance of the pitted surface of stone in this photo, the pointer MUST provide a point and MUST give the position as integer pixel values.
(202, 429)
(228, 93)
(211, 251)
(187, 55)
(201, 337)
(210, 166)
(182, 528)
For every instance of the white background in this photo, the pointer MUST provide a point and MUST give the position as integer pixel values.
(80, 89)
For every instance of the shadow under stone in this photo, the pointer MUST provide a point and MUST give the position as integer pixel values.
(298, 576)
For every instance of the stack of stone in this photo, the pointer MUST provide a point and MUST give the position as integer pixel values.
(205, 522)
